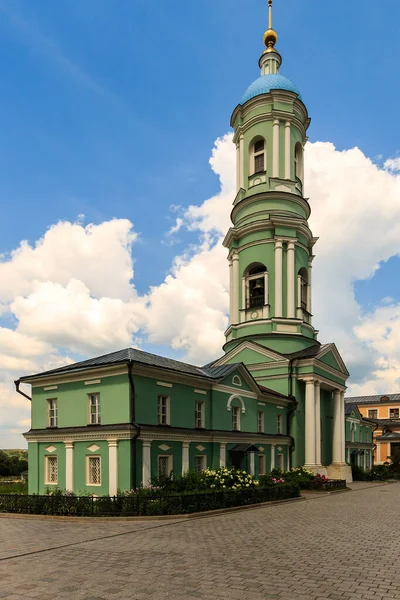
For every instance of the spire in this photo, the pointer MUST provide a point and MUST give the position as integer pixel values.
(271, 60)
(270, 36)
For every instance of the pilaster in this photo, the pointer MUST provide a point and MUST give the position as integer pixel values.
(290, 280)
(235, 288)
(222, 455)
(317, 388)
(275, 148)
(288, 152)
(272, 457)
(146, 462)
(112, 467)
(278, 278)
(69, 466)
(310, 424)
(185, 457)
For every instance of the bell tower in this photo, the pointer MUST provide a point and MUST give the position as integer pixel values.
(270, 243)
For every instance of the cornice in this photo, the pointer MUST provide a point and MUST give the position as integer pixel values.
(227, 437)
(315, 362)
(87, 374)
(331, 385)
(276, 195)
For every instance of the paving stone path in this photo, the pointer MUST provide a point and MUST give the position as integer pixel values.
(338, 547)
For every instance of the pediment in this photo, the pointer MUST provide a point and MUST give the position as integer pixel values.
(329, 355)
(250, 353)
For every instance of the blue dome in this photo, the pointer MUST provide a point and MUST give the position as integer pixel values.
(266, 83)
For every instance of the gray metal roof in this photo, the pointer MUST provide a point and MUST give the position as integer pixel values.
(373, 399)
(348, 408)
(137, 356)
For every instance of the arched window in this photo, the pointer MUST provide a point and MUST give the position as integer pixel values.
(256, 284)
(302, 291)
(298, 161)
(236, 380)
(258, 156)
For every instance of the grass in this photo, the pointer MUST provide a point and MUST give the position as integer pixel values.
(14, 488)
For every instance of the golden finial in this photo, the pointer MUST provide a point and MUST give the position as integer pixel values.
(270, 36)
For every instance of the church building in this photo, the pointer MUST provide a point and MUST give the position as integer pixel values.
(275, 398)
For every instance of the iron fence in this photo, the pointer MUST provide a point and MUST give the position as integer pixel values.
(141, 504)
(331, 484)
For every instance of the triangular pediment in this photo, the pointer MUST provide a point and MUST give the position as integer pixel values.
(250, 353)
(329, 355)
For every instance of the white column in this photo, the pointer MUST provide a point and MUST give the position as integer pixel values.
(310, 423)
(231, 291)
(309, 306)
(278, 278)
(69, 466)
(290, 280)
(337, 428)
(244, 292)
(318, 457)
(252, 469)
(275, 148)
(299, 309)
(241, 161)
(365, 460)
(112, 467)
(146, 462)
(185, 457)
(288, 153)
(235, 288)
(348, 455)
(288, 459)
(222, 455)
(272, 456)
(343, 430)
(237, 167)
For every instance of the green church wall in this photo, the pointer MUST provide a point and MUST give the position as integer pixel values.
(33, 468)
(326, 426)
(73, 403)
(124, 465)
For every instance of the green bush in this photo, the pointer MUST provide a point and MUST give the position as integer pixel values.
(358, 473)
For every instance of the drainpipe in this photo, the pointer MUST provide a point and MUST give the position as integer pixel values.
(132, 416)
(17, 383)
(290, 413)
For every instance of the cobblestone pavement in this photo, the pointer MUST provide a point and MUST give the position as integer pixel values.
(338, 547)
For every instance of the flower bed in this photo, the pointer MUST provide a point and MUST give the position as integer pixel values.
(141, 503)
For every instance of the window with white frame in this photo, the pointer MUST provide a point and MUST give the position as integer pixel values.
(279, 423)
(200, 463)
(52, 412)
(373, 413)
(51, 470)
(260, 423)
(235, 418)
(394, 413)
(163, 410)
(280, 461)
(262, 464)
(258, 157)
(256, 285)
(93, 470)
(236, 380)
(302, 278)
(94, 409)
(298, 161)
(164, 465)
(200, 414)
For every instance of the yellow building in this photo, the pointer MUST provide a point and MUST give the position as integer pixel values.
(384, 411)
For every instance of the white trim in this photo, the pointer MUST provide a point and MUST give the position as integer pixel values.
(204, 392)
(234, 397)
(272, 457)
(229, 390)
(278, 309)
(50, 387)
(93, 382)
(69, 466)
(164, 384)
(185, 457)
(222, 454)
(112, 467)
(90, 457)
(47, 459)
(288, 153)
(236, 382)
(146, 461)
(275, 147)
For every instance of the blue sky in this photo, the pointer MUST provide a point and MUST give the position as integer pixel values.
(111, 112)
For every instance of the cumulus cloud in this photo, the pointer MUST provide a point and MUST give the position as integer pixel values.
(72, 291)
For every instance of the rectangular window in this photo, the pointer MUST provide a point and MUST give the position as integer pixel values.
(94, 409)
(199, 414)
(394, 413)
(51, 469)
(235, 418)
(373, 413)
(93, 470)
(52, 412)
(279, 423)
(261, 464)
(280, 461)
(259, 163)
(163, 410)
(164, 465)
(200, 463)
(260, 425)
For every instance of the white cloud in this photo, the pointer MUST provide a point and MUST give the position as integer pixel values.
(393, 164)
